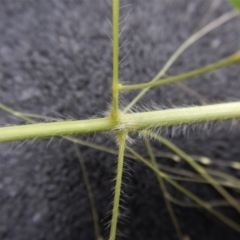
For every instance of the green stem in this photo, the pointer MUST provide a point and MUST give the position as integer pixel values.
(128, 122)
(54, 129)
(235, 58)
(116, 201)
(115, 34)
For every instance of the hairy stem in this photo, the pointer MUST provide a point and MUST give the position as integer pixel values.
(128, 122)
(115, 35)
(116, 201)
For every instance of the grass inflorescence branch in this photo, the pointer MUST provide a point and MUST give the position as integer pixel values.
(235, 58)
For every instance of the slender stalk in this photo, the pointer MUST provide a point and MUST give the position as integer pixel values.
(235, 58)
(195, 37)
(164, 190)
(232, 201)
(90, 194)
(115, 57)
(16, 113)
(128, 122)
(116, 201)
(202, 100)
(213, 203)
(189, 194)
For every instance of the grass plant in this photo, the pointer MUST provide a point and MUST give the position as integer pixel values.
(123, 123)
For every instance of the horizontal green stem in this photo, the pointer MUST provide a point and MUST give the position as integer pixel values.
(54, 129)
(128, 122)
(178, 116)
(235, 58)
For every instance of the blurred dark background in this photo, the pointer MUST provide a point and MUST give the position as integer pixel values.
(55, 60)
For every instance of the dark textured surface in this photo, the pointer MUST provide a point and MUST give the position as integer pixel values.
(55, 57)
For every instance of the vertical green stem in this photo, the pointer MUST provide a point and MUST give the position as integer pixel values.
(116, 201)
(115, 35)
